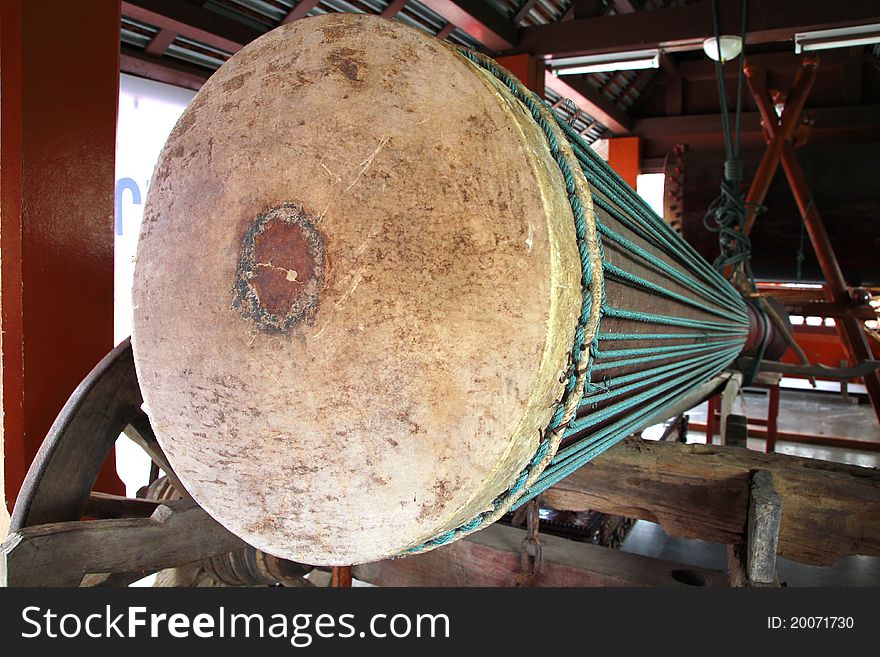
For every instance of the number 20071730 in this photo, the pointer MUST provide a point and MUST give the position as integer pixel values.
(810, 623)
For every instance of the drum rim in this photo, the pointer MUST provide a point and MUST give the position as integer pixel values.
(592, 290)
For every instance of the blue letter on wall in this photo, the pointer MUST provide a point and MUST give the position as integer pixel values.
(121, 185)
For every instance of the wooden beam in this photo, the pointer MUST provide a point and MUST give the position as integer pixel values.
(491, 557)
(479, 20)
(141, 432)
(686, 27)
(393, 8)
(850, 329)
(303, 7)
(590, 101)
(701, 491)
(444, 33)
(61, 554)
(702, 125)
(180, 75)
(674, 95)
(523, 11)
(160, 42)
(780, 63)
(192, 22)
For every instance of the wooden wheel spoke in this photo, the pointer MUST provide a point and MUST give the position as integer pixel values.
(64, 471)
(141, 432)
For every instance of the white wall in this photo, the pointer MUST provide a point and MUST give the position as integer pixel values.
(147, 112)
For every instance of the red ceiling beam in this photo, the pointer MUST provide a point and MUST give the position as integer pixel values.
(160, 42)
(303, 7)
(778, 63)
(686, 27)
(448, 29)
(192, 22)
(180, 75)
(479, 20)
(394, 7)
(592, 102)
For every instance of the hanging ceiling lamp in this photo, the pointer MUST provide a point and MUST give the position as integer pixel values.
(730, 47)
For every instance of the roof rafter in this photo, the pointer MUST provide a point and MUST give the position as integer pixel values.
(479, 20)
(191, 22)
(686, 27)
(590, 101)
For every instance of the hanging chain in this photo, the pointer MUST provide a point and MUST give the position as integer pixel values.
(530, 550)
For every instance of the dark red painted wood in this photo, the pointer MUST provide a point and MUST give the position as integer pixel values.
(56, 207)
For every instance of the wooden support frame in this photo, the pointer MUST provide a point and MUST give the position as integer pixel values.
(703, 491)
(754, 563)
(62, 554)
(780, 150)
(765, 516)
(491, 557)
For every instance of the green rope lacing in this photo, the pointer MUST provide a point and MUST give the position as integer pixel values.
(727, 213)
(711, 346)
(533, 105)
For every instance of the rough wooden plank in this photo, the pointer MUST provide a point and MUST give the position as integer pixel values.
(61, 554)
(765, 515)
(701, 491)
(492, 558)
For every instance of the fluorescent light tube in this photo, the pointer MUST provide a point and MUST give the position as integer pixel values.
(620, 61)
(859, 35)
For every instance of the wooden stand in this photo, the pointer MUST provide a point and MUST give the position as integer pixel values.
(720, 407)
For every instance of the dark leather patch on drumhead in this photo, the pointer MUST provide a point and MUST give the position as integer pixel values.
(280, 269)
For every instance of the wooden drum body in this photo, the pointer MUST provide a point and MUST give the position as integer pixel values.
(353, 299)
(366, 269)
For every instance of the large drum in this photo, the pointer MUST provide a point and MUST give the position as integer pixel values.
(382, 296)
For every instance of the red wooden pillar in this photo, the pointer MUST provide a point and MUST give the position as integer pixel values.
(59, 79)
(624, 156)
(714, 408)
(772, 418)
(528, 68)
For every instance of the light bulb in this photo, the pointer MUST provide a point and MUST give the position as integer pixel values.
(731, 47)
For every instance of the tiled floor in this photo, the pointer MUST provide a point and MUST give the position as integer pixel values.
(799, 411)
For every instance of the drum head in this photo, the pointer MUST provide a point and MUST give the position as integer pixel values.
(356, 289)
